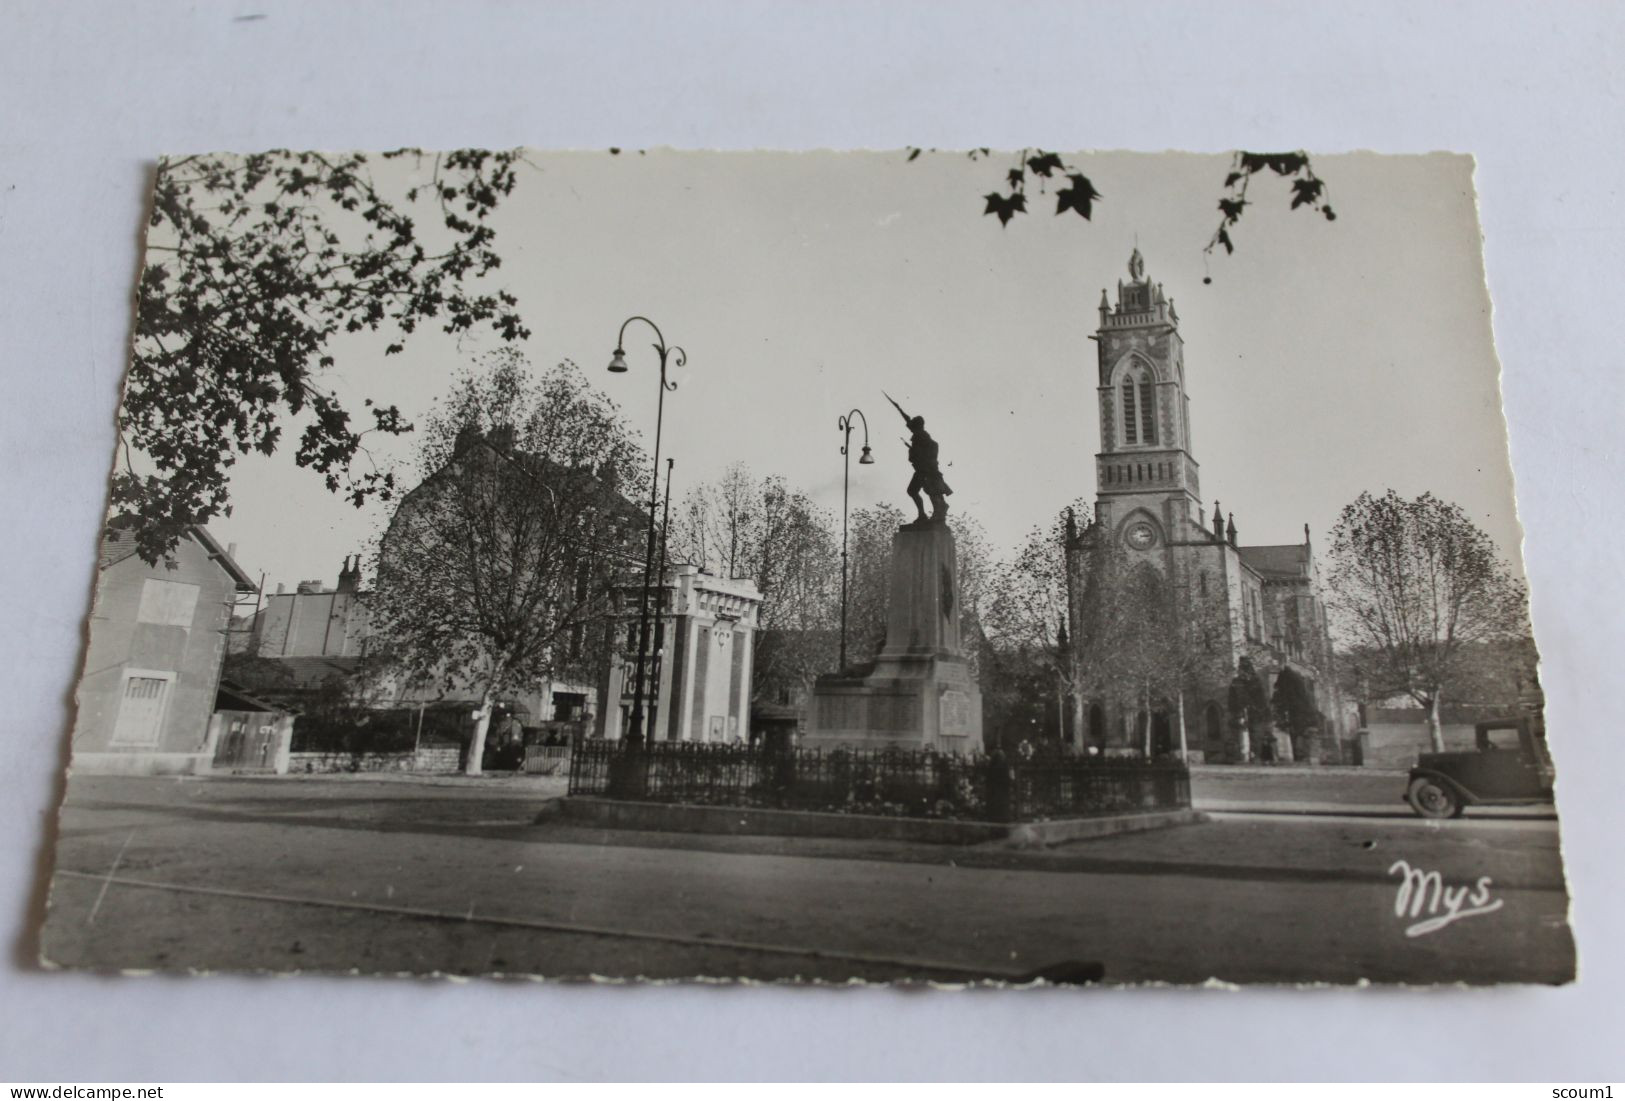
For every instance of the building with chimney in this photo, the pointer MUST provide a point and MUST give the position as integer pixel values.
(312, 621)
(1255, 606)
(318, 638)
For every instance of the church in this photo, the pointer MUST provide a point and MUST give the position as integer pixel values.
(1261, 606)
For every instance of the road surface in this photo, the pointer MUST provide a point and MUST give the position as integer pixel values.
(307, 874)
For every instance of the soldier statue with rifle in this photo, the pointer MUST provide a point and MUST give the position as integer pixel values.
(922, 455)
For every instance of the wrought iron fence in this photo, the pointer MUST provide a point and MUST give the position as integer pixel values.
(919, 784)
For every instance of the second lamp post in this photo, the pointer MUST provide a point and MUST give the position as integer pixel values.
(866, 459)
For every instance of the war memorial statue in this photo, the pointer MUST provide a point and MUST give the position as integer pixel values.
(922, 456)
(919, 692)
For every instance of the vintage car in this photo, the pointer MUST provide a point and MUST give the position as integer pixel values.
(1509, 766)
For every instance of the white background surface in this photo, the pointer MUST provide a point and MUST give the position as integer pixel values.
(89, 93)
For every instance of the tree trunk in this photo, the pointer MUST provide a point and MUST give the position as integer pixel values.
(476, 745)
(1435, 731)
(1184, 749)
(1145, 718)
(1080, 721)
(1060, 716)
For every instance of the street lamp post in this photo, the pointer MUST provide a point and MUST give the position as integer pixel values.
(617, 365)
(844, 424)
(660, 611)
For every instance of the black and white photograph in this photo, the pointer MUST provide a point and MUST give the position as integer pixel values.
(1005, 567)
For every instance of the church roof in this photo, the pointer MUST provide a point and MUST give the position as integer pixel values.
(1282, 560)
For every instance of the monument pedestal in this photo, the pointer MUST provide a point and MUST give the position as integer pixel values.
(920, 694)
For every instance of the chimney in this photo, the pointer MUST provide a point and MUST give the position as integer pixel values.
(501, 437)
(279, 588)
(231, 551)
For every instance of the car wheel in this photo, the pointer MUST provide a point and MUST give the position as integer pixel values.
(1431, 799)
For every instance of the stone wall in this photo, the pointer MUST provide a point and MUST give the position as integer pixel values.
(1392, 744)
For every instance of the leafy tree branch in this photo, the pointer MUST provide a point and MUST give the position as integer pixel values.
(254, 265)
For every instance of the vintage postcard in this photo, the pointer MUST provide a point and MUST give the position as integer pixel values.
(940, 566)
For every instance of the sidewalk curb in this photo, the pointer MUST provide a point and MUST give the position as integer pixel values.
(688, 818)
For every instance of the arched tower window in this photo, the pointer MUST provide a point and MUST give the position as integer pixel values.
(1139, 400)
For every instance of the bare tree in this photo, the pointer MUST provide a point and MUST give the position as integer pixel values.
(761, 529)
(494, 572)
(1415, 585)
(1136, 619)
(1136, 635)
(1029, 611)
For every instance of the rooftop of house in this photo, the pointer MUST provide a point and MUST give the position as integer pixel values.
(499, 443)
(119, 543)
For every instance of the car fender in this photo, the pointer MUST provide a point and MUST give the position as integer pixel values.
(1445, 779)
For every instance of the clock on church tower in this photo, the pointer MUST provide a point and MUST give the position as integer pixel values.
(1147, 493)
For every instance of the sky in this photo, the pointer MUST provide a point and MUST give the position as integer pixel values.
(1323, 359)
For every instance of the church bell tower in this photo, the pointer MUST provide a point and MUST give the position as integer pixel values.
(1147, 494)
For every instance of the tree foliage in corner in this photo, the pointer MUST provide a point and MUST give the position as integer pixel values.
(1075, 192)
(1418, 590)
(1308, 190)
(253, 265)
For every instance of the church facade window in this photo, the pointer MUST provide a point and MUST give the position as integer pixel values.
(1138, 397)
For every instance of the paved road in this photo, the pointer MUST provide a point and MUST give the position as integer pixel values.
(314, 875)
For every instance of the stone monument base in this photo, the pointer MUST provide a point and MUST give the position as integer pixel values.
(938, 708)
(920, 693)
